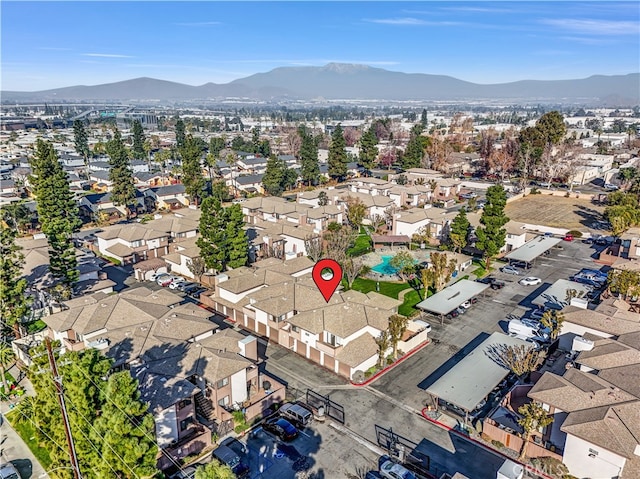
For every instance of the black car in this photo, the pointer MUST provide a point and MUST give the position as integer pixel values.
(281, 428)
(196, 293)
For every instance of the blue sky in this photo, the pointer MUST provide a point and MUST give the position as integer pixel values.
(55, 44)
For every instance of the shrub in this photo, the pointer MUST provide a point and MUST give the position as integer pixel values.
(534, 191)
(575, 233)
(485, 437)
(497, 443)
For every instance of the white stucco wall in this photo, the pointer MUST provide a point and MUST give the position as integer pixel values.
(605, 465)
(570, 330)
(409, 229)
(229, 296)
(166, 426)
(239, 386)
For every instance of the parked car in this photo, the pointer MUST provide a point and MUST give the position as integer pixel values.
(467, 196)
(461, 310)
(453, 314)
(508, 269)
(165, 281)
(392, 470)
(568, 237)
(611, 187)
(466, 305)
(158, 276)
(184, 285)
(537, 313)
(9, 471)
(228, 456)
(298, 415)
(195, 294)
(190, 288)
(545, 184)
(281, 428)
(175, 284)
(520, 264)
(236, 446)
(530, 281)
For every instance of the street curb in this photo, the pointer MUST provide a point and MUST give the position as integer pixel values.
(391, 366)
(481, 444)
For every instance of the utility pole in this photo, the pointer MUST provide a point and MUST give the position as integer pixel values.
(57, 379)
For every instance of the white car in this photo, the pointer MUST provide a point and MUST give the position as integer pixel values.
(176, 283)
(392, 470)
(530, 281)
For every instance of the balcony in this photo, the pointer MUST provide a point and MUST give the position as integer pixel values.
(73, 345)
(328, 348)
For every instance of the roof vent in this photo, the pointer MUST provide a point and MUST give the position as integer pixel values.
(102, 305)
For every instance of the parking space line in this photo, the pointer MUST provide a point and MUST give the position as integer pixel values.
(498, 301)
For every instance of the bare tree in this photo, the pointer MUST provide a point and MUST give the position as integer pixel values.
(197, 267)
(351, 269)
(384, 342)
(293, 143)
(501, 162)
(313, 245)
(337, 243)
(520, 360)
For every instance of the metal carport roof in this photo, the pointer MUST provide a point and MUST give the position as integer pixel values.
(452, 296)
(534, 248)
(474, 377)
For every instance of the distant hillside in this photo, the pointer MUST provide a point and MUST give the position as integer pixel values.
(346, 81)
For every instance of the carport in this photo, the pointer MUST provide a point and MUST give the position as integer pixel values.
(529, 251)
(471, 380)
(451, 297)
(557, 297)
(390, 240)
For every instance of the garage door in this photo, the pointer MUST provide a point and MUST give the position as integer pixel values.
(314, 355)
(329, 362)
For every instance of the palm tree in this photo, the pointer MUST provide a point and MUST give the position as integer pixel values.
(26, 410)
(534, 417)
(6, 358)
(397, 327)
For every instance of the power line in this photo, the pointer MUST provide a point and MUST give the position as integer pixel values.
(57, 379)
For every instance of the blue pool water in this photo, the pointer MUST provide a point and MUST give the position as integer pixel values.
(385, 267)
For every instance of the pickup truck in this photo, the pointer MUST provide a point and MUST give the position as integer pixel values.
(490, 280)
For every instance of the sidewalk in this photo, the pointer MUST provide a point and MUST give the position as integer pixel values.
(14, 449)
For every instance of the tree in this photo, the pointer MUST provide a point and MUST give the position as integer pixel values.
(404, 263)
(313, 246)
(458, 230)
(627, 175)
(624, 282)
(397, 328)
(57, 211)
(255, 140)
(309, 169)
(194, 182)
(323, 199)
(368, 148)
(197, 267)
(338, 159)
(223, 240)
(356, 211)
(81, 142)
(553, 320)
(414, 153)
(274, 176)
(214, 470)
(6, 358)
(138, 140)
(520, 360)
(14, 303)
(180, 133)
(351, 269)
(424, 122)
(17, 216)
(123, 191)
(383, 343)
(125, 431)
(534, 417)
(491, 234)
(337, 242)
(439, 272)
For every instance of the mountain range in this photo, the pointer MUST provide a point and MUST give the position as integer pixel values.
(338, 81)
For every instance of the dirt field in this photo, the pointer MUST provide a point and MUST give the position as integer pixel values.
(555, 211)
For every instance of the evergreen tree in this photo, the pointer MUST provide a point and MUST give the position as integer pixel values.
(81, 141)
(138, 140)
(180, 133)
(13, 300)
(338, 154)
(310, 169)
(255, 140)
(223, 241)
(458, 230)
(265, 148)
(57, 211)
(274, 176)
(214, 470)
(216, 145)
(123, 192)
(414, 153)
(424, 122)
(125, 431)
(491, 235)
(368, 148)
(194, 182)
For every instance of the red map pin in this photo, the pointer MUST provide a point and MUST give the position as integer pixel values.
(328, 282)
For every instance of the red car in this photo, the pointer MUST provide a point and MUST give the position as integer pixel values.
(568, 237)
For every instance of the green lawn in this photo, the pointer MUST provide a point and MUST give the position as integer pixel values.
(388, 289)
(26, 431)
(408, 307)
(362, 244)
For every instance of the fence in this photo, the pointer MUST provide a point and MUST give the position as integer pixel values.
(332, 409)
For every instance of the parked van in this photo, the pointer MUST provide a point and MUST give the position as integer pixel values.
(228, 456)
(300, 416)
(528, 330)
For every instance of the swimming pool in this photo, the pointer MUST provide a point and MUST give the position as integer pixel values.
(385, 267)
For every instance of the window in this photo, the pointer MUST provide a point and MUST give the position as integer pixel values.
(222, 383)
(136, 244)
(224, 401)
(184, 403)
(295, 329)
(331, 339)
(185, 423)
